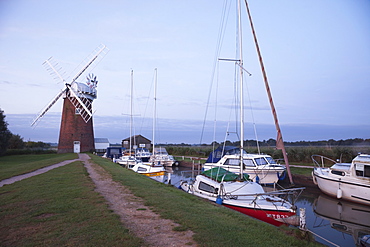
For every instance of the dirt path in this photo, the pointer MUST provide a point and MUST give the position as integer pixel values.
(139, 219)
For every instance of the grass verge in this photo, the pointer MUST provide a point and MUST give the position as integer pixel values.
(212, 224)
(59, 208)
(14, 165)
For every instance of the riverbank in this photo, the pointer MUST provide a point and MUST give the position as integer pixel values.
(211, 224)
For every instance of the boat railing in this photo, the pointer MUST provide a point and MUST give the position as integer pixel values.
(320, 161)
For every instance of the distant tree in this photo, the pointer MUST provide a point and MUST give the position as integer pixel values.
(5, 134)
(36, 145)
(16, 142)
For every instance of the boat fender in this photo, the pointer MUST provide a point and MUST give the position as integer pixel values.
(257, 179)
(314, 178)
(282, 177)
(339, 193)
(219, 200)
(340, 208)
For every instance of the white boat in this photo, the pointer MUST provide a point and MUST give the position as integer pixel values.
(143, 154)
(261, 168)
(348, 181)
(241, 194)
(347, 217)
(147, 169)
(161, 156)
(126, 160)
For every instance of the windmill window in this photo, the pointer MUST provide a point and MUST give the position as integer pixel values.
(78, 111)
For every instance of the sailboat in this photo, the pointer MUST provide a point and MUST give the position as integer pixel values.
(130, 160)
(159, 155)
(237, 191)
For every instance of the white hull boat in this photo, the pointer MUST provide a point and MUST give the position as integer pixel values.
(348, 181)
(226, 188)
(148, 169)
(143, 154)
(161, 156)
(261, 168)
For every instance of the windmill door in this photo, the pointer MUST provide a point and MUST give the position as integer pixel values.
(76, 147)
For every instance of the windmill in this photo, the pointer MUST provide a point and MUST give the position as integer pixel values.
(76, 128)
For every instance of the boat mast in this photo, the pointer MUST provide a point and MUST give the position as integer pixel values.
(155, 107)
(241, 89)
(279, 139)
(132, 86)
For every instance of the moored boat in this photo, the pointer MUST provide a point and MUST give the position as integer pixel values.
(143, 154)
(348, 181)
(147, 169)
(161, 156)
(239, 193)
(261, 168)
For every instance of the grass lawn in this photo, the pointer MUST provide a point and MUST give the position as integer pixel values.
(59, 208)
(14, 165)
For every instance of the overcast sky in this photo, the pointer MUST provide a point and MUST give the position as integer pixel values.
(316, 54)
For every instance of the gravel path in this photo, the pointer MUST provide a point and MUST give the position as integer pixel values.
(139, 219)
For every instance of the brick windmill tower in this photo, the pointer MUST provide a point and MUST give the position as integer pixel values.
(76, 129)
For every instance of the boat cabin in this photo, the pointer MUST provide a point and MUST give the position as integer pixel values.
(217, 154)
(361, 165)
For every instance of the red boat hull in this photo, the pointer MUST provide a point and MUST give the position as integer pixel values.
(268, 216)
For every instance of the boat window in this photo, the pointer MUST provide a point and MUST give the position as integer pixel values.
(232, 162)
(337, 173)
(260, 161)
(208, 188)
(248, 162)
(367, 171)
(270, 160)
(141, 169)
(362, 170)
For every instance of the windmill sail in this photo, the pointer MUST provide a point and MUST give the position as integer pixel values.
(79, 95)
(56, 98)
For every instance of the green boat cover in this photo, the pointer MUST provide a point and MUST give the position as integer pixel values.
(219, 174)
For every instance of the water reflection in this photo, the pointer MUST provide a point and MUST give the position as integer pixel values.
(338, 221)
(345, 217)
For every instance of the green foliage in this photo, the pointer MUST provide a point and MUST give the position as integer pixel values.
(5, 134)
(16, 142)
(36, 145)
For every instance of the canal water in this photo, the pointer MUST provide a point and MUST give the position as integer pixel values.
(333, 222)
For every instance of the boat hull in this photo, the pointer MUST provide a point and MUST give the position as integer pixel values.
(154, 174)
(342, 187)
(275, 218)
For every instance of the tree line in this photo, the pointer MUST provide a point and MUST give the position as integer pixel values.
(12, 143)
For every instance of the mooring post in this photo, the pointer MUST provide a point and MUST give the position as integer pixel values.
(302, 219)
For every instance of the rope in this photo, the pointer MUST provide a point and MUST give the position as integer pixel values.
(321, 237)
